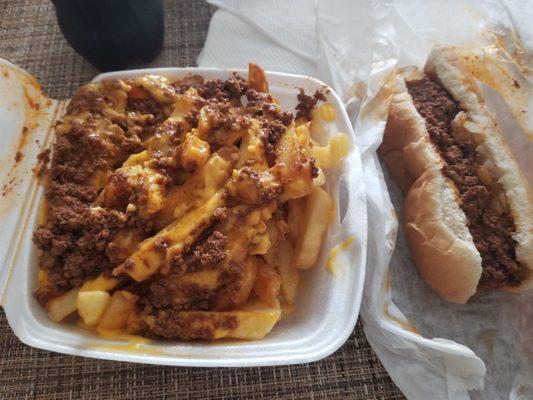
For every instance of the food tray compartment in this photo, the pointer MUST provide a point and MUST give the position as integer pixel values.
(327, 304)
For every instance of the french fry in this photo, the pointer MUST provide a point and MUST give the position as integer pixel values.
(226, 138)
(93, 298)
(101, 283)
(183, 106)
(149, 258)
(267, 285)
(139, 178)
(320, 179)
(246, 235)
(317, 216)
(133, 324)
(302, 133)
(252, 321)
(138, 93)
(45, 289)
(62, 306)
(290, 276)
(164, 138)
(251, 150)
(242, 228)
(91, 305)
(326, 112)
(198, 188)
(337, 148)
(137, 159)
(257, 79)
(118, 311)
(156, 85)
(237, 295)
(295, 167)
(206, 280)
(274, 235)
(252, 177)
(124, 244)
(295, 217)
(321, 119)
(193, 153)
(204, 122)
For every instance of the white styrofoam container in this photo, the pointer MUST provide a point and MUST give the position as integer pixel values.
(327, 304)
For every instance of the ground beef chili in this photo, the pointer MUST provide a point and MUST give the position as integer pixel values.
(77, 240)
(490, 229)
(97, 204)
(78, 232)
(306, 104)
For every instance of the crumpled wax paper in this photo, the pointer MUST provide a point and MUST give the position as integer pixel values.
(431, 349)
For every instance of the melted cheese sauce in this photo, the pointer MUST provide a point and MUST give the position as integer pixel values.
(132, 343)
(335, 251)
(327, 112)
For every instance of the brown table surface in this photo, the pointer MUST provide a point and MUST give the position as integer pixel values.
(30, 38)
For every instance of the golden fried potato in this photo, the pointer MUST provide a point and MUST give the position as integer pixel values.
(257, 78)
(317, 216)
(252, 321)
(337, 148)
(296, 168)
(238, 294)
(91, 305)
(267, 285)
(118, 311)
(62, 306)
(290, 276)
(150, 257)
(101, 282)
(295, 217)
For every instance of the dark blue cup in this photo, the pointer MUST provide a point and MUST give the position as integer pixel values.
(112, 34)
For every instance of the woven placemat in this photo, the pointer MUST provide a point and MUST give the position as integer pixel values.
(30, 38)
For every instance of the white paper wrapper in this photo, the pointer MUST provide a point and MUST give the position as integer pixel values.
(496, 326)
(432, 349)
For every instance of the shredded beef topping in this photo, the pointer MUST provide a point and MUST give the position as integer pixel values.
(491, 228)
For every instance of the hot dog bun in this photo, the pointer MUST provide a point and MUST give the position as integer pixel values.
(437, 228)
